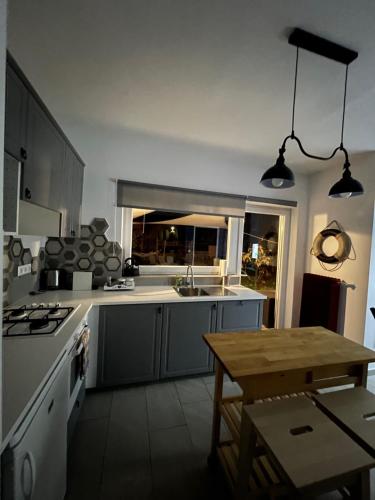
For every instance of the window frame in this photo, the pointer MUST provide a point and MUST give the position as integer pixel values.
(232, 250)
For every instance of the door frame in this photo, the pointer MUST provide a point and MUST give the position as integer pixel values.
(285, 216)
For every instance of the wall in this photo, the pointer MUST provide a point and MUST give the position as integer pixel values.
(134, 155)
(356, 216)
(3, 18)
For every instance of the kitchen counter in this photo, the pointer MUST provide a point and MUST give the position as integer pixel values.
(28, 362)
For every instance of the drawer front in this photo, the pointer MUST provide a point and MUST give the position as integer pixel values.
(239, 315)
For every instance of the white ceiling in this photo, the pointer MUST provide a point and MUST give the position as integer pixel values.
(217, 72)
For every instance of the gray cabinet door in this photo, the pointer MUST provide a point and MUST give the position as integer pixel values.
(234, 315)
(16, 98)
(184, 351)
(71, 194)
(43, 171)
(129, 344)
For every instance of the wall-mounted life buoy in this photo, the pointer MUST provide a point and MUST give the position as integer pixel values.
(344, 246)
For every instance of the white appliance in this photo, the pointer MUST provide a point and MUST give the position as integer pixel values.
(120, 284)
(34, 463)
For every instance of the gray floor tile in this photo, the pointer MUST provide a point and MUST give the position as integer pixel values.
(127, 441)
(173, 465)
(85, 459)
(190, 390)
(163, 406)
(229, 389)
(131, 482)
(96, 405)
(210, 379)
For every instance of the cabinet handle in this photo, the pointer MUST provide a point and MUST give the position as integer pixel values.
(214, 307)
(72, 232)
(159, 310)
(23, 153)
(27, 194)
(51, 405)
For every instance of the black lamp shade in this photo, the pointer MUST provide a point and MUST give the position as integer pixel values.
(279, 176)
(346, 187)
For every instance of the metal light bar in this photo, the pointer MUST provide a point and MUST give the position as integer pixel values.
(321, 46)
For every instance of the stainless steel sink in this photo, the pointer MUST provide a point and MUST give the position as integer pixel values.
(215, 291)
(219, 291)
(189, 291)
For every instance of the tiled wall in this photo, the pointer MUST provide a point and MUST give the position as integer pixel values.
(91, 252)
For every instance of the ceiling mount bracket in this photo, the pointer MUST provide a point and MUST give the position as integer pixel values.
(318, 45)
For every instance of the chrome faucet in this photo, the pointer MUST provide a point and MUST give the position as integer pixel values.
(190, 281)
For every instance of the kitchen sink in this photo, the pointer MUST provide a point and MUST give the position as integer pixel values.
(216, 291)
(189, 291)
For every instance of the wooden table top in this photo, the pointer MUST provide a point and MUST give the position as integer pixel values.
(278, 350)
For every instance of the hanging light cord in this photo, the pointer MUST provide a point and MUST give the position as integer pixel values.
(295, 138)
(344, 107)
(295, 91)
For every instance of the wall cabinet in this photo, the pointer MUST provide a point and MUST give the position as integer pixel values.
(51, 172)
(142, 343)
(129, 344)
(184, 352)
(44, 168)
(72, 194)
(16, 99)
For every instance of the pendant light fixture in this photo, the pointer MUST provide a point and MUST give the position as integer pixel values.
(280, 176)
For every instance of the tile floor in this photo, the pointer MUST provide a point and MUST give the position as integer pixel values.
(148, 442)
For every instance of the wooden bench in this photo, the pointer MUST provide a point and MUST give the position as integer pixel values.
(354, 411)
(310, 452)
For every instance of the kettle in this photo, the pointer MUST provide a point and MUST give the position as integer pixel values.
(130, 267)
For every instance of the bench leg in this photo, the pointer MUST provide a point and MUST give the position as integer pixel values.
(248, 440)
(361, 489)
(364, 488)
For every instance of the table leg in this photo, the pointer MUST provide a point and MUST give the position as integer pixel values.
(218, 396)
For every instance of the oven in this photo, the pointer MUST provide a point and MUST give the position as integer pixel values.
(78, 363)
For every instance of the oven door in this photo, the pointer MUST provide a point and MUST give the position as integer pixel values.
(79, 358)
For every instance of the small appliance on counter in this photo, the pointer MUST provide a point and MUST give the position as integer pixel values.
(131, 268)
(119, 285)
(52, 279)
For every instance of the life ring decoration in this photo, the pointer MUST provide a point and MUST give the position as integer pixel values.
(344, 247)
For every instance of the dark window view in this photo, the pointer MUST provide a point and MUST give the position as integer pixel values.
(172, 238)
(259, 259)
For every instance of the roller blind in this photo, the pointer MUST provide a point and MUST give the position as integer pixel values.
(156, 197)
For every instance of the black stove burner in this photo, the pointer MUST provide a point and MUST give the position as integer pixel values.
(38, 324)
(20, 322)
(18, 313)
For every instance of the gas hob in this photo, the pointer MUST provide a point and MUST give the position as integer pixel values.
(34, 319)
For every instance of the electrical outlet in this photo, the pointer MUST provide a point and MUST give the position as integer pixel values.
(25, 269)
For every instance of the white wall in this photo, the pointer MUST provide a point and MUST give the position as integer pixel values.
(356, 216)
(3, 17)
(137, 156)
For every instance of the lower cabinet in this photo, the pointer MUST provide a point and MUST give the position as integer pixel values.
(146, 342)
(129, 343)
(183, 350)
(239, 315)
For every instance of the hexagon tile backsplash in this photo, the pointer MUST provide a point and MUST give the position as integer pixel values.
(91, 252)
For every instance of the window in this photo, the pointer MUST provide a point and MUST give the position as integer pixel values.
(171, 238)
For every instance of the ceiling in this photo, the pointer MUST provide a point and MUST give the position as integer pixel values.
(214, 72)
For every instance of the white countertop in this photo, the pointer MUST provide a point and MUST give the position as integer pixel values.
(29, 361)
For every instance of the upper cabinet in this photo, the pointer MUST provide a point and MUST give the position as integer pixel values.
(72, 188)
(43, 169)
(51, 171)
(16, 100)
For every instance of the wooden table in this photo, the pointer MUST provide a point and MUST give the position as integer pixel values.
(276, 362)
